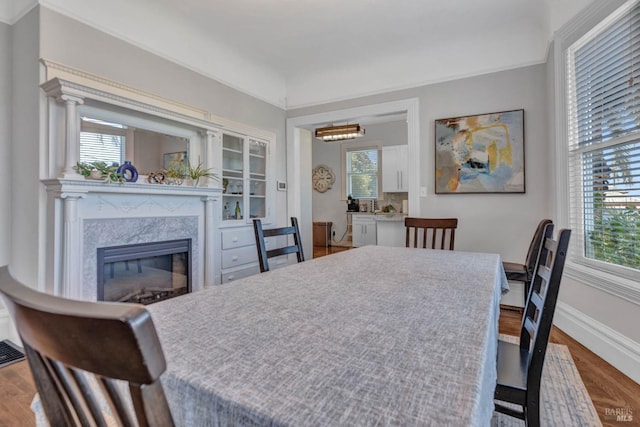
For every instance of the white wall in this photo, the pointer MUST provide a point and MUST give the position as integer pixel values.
(5, 140)
(501, 223)
(5, 153)
(26, 161)
(330, 206)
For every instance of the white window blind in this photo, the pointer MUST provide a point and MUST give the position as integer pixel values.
(604, 140)
(362, 173)
(102, 141)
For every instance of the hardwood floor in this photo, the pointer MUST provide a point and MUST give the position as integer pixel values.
(609, 388)
(319, 251)
(16, 393)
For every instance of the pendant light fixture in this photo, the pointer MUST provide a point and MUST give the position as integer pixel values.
(339, 133)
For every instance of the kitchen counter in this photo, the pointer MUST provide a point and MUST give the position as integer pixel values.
(384, 216)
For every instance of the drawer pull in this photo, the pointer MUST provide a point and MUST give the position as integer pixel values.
(235, 239)
(230, 278)
(235, 258)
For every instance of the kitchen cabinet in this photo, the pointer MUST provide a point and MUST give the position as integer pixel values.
(395, 177)
(363, 230)
(390, 231)
(245, 178)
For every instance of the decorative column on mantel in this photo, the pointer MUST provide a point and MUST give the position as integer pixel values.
(209, 232)
(72, 136)
(72, 254)
(212, 138)
(55, 89)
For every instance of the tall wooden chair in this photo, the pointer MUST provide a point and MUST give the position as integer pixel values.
(264, 254)
(520, 365)
(67, 342)
(524, 272)
(428, 230)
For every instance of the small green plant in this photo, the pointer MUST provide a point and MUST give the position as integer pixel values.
(175, 173)
(108, 172)
(197, 172)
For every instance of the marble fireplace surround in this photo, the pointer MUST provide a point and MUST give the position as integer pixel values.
(88, 215)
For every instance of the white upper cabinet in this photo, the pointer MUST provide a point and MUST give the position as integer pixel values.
(395, 178)
(245, 180)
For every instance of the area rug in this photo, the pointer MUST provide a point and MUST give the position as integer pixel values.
(565, 400)
(9, 353)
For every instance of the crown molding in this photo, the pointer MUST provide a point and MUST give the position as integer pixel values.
(62, 79)
(11, 11)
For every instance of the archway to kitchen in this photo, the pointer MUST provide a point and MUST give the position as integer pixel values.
(299, 156)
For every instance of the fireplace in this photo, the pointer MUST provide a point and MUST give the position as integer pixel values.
(144, 272)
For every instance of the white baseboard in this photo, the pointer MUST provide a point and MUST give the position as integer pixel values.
(618, 350)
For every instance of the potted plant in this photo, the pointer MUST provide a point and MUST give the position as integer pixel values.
(195, 173)
(99, 170)
(175, 173)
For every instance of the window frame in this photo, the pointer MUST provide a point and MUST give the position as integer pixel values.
(103, 129)
(346, 148)
(616, 280)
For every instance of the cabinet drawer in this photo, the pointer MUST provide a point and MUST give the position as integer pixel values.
(237, 238)
(239, 256)
(230, 276)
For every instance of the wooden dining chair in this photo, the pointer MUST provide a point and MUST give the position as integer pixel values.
(520, 365)
(67, 342)
(524, 272)
(264, 254)
(428, 230)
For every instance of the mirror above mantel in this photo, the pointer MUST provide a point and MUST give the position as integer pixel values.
(151, 126)
(114, 141)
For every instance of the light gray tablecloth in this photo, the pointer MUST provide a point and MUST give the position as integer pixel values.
(370, 336)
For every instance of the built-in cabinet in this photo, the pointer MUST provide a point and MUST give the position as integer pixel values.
(239, 254)
(363, 230)
(244, 177)
(395, 178)
(247, 193)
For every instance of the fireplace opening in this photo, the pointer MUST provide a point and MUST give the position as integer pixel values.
(144, 273)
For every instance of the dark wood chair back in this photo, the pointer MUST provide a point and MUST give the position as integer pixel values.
(264, 254)
(67, 342)
(534, 247)
(520, 365)
(524, 272)
(434, 233)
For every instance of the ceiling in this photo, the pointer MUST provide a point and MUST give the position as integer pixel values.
(295, 53)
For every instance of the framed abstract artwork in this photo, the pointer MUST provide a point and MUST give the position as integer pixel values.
(175, 160)
(483, 153)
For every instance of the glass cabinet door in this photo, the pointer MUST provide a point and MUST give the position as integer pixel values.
(244, 178)
(257, 178)
(232, 176)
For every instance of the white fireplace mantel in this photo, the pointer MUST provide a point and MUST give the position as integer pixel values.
(78, 203)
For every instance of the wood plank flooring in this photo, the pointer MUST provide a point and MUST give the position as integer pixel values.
(609, 388)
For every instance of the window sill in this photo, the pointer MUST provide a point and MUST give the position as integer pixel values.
(605, 281)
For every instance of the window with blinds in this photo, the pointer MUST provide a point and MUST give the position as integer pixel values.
(362, 173)
(102, 141)
(604, 139)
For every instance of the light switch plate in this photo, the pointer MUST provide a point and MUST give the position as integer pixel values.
(423, 191)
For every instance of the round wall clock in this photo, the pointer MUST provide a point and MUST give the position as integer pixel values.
(323, 178)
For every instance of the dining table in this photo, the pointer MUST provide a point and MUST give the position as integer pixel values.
(369, 336)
